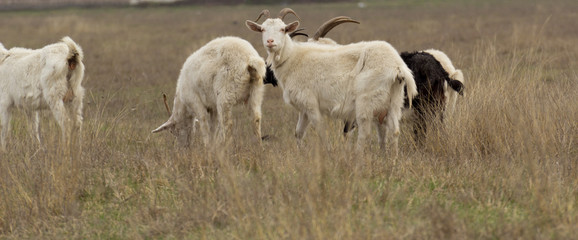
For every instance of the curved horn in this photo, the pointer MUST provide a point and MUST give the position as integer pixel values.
(286, 11)
(166, 104)
(330, 24)
(265, 13)
(298, 32)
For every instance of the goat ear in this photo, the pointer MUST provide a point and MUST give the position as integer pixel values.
(292, 27)
(253, 26)
(457, 86)
(165, 126)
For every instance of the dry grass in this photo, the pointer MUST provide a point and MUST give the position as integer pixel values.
(504, 166)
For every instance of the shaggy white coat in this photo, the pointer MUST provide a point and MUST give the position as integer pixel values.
(46, 78)
(358, 81)
(225, 72)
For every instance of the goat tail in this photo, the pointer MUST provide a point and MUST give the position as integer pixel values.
(257, 69)
(75, 75)
(405, 74)
(2, 48)
(75, 53)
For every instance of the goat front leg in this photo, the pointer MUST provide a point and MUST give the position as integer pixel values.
(316, 119)
(5, 124)
(203, 117)
(381, 134)
(302, 125)
(225, 113)
(37, 126)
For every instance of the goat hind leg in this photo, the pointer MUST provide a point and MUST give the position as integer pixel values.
(393, 131)
(61, 116)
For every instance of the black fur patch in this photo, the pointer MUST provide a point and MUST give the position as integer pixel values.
(270, 77)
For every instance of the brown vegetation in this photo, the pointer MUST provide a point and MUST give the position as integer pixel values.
(503, 166)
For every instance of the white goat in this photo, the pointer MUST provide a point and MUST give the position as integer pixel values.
(358, 81)
(225, 72)
(456, 74)
(49, 77)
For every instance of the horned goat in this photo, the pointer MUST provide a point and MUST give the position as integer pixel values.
(456, 74)
(46, 78)
(358, 81)
(225, 72)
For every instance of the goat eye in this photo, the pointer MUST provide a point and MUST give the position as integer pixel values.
(282, 30)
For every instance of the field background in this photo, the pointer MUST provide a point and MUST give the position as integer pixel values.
(504, 166)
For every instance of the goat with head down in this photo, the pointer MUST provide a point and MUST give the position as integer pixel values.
(225, 72)
(356, 81)
(454, 73)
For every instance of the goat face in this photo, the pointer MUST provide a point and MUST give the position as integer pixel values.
(182, 129)
(274, 32)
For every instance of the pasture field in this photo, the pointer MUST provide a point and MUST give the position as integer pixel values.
(503, 166)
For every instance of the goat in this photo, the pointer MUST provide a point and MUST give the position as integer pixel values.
(358, 81)
(431, 80)
(456, 74)
(49, 77)
(225, 72)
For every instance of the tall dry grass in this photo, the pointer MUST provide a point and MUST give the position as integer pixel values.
(502, 166)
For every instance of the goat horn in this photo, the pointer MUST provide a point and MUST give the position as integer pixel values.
(265, 13)
(298, 32)
(286, 11)
(330, 24)
(166, 104)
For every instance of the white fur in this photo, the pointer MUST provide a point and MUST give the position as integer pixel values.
(357, 81)
(456, 74)
(42, 79)
(225, 72)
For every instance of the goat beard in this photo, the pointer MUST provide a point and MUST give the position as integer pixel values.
(272, 57)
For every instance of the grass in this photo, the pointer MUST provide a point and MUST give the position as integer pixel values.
(502, 166)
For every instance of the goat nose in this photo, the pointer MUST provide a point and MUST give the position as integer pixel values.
(270, 40)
